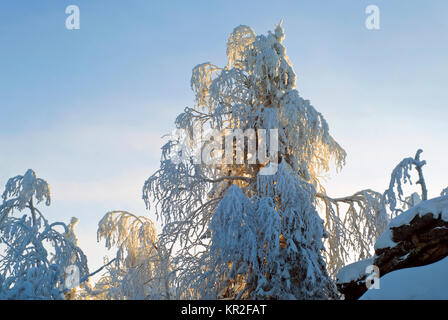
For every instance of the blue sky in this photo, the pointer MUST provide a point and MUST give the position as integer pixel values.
(86, 108)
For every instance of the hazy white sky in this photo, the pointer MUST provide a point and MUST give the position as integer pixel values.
(86, 109)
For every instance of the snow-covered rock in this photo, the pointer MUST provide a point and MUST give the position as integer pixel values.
(438, 207)
(415, 238)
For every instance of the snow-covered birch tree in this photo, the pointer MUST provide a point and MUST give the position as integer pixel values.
(237, 232)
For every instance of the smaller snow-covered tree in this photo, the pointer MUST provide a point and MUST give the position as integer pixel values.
(140, 268)
(37, 252)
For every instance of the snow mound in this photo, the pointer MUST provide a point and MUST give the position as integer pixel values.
(428, 282)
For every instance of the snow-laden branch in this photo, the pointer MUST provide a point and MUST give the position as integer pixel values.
(353, 224)
(401, 174)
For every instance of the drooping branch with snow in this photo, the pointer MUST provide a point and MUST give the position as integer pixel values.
(353, 224)
(393, 196)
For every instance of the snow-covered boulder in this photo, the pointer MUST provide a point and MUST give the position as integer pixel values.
(415, 238)
(436, 208)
